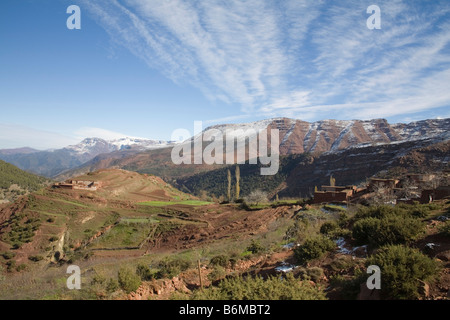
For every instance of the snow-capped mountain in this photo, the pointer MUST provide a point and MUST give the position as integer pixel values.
(91, 147)
(297, 136)
(52, 162)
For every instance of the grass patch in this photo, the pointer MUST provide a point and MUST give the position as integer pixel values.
(125, 235)
(170, 203)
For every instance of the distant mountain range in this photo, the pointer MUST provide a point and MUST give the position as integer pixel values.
(50, 163)
(153, 156)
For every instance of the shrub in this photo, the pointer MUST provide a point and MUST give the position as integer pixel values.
(8, 255)
(328, 227)
(10, 265)
(315, 273)
(333, 231)
(388, 230)
(364, 229)
(313, 248)
(35, 258)
(255, 247)
(379, 211)
(129, 281)
(419, 211)
(348, 287)
(171, 268)
(98, 279)
(112, 285)
(402, 269)
(145, 273)
(52, 239)
(21, 267)
(220, 260)
(217, 273)
(274, 288)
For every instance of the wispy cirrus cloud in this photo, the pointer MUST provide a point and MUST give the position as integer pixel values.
(308, 59)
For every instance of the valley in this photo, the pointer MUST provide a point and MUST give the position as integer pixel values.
(140, 227)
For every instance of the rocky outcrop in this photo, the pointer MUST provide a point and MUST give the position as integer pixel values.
(161, 289)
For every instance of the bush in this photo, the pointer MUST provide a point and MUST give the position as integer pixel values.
(220, 260)
(53, 239)
(35, 258)
(315, 274)
(255, 247)
(129, 281)
(112, 285)
(145, 273)
(274, 288)
(10, 265)
(171, 268)
(21, 267)
(364, 229)
(217, 273)
(387, 230)
(8, 255)
(328, 227)
(313, 248)
(402, 269)
(380, 212)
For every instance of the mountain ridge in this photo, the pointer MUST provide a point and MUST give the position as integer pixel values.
(296, 137)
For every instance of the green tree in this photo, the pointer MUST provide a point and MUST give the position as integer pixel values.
(238, 178)
(229, 185)
(313, 248)
(332, 181)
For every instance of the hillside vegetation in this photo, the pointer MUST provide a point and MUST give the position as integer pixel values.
(15, 182)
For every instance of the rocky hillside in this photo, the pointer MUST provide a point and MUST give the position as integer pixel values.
(299, 174)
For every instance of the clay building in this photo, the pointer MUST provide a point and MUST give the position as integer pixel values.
(79, 185)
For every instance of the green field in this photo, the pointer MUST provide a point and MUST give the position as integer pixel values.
(170, 203)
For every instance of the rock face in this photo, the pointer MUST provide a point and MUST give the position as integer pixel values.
(159, 288)
(298, 136)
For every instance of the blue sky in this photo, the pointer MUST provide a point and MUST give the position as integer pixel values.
(145, 68)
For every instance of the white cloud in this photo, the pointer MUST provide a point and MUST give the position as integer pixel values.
(311, 59)
(18, 136)
(89, 132)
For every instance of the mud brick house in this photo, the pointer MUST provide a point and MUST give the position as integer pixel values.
(334, 194)
(79, 185)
